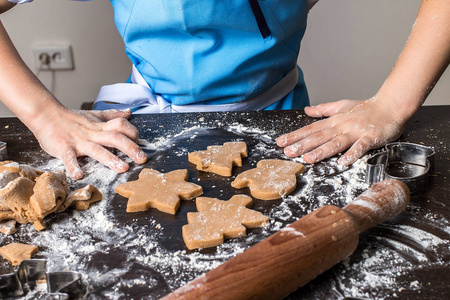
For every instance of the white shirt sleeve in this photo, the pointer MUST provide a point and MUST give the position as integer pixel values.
(25, 1)
(19, 1)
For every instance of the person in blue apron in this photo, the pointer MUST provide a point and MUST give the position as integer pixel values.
(203, 55)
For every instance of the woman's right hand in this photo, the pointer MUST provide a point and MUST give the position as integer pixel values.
(69, 134)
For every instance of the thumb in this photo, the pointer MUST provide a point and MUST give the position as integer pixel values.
(326, 109)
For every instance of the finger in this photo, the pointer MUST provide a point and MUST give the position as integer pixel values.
(70, 161)
(361, 146)
(110, 114)
(336, 145)
(299, 134)
(309, 143)
(326, 109)
(123, 126)
(104, 156)
(121, 142)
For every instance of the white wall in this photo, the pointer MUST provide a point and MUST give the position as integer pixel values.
(349, 48)
(98, 50)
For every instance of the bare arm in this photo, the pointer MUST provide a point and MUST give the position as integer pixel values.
(368, 124)
(62, 132)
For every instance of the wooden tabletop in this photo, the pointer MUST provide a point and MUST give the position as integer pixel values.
(142, 255)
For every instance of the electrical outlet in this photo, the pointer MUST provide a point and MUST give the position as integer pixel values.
(53, 57)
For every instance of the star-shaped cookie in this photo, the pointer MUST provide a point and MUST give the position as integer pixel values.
(217, 220)
(162, 191)
(272, 178)
(219, 159)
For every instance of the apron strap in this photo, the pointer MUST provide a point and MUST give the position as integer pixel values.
(139, 97)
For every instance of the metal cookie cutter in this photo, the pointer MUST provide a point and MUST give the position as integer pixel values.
(410, 163)
(3, 151)
(60, 285)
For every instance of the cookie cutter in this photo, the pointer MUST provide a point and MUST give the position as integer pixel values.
(411, 163)
(60, 285)
(3, 151)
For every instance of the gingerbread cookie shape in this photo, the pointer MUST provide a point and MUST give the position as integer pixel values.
(219, 159)
(217, 220)
(17, 252)
(271, 179)
(162, 191)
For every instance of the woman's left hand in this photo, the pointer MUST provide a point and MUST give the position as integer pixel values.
(358, 126)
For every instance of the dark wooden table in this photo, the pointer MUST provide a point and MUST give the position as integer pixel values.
(142, 255)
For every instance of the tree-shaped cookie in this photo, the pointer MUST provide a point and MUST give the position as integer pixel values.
(162, 191)
(217, 220)
(272, 178)
(219, 159)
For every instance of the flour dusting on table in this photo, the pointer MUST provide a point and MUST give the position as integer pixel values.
(82, 240)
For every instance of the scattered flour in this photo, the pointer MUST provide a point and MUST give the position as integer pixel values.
(85, 240)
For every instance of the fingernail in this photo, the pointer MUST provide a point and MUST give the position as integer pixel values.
(141, 157)
(77, 174)
(119, 165)
(282, 141)
(314, 156)
(293, 149)
(344, 160)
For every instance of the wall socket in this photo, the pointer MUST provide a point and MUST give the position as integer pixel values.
(53, 57)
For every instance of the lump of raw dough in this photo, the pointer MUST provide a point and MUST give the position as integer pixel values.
(28, 195)
(272, 178)
(15, 201)
(21, 170)
(162, 191)
(219, 159)
(49, 192)
(16, 252)
(217, 220)
(27, 201)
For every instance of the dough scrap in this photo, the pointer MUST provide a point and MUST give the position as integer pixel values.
(162, 191)
(219, 159)
(17, 252)
(28, 195)
(8, 227)
(217, 220)
(271, 179)
(82, 198)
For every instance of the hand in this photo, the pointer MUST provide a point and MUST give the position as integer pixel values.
(69, 134)
(358, 125)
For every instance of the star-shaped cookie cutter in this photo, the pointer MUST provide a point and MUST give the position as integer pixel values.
(60, 285)
(408, 162)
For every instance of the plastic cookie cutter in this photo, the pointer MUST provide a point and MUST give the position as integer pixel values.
(3, 151)
(410, 163)
(60, 285)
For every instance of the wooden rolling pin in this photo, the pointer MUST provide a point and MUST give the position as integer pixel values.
(288, 259)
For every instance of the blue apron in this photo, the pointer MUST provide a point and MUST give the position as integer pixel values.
(209, 55)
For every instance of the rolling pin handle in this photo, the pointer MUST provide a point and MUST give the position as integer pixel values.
(382, 201)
